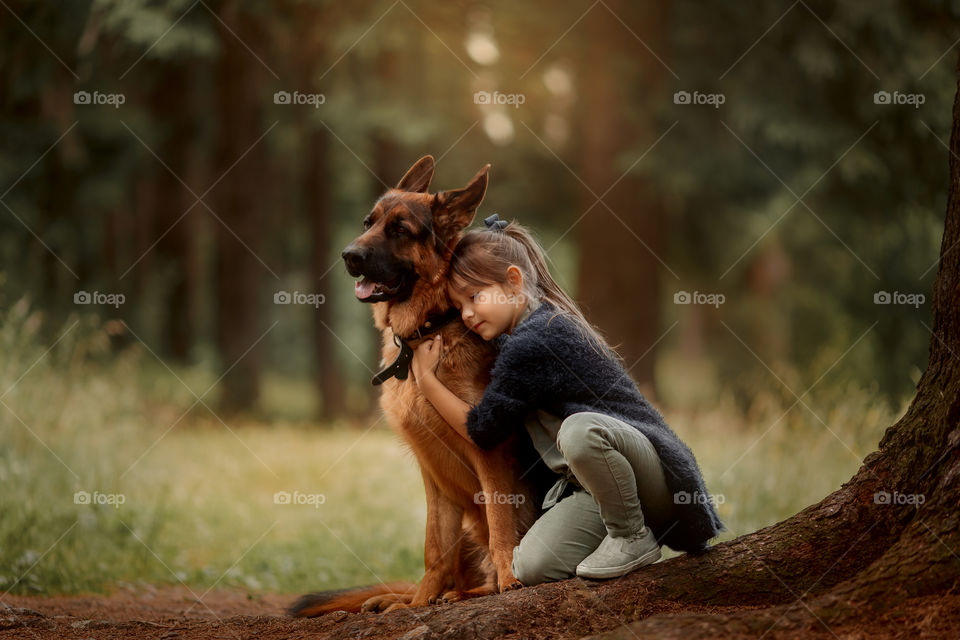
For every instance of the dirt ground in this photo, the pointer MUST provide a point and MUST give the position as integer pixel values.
(175, 613)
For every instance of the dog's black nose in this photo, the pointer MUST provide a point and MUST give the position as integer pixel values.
(354, 258)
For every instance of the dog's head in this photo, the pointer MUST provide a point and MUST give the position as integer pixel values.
(410, 234)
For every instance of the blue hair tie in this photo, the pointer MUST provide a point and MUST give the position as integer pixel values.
(494, 223)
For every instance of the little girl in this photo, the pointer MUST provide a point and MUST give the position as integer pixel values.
(627, 483)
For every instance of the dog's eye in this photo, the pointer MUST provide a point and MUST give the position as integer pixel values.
(400, 231)
(366, 223)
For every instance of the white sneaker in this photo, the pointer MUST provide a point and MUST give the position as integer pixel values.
(619, 556)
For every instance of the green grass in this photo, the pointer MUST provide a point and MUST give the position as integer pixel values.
(199, 497)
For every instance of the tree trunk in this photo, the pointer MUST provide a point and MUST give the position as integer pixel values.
(620, 296)
(317, 189)
(866, 561)
(175, 111)
(238, 200)
(317, 200)
(143, 223)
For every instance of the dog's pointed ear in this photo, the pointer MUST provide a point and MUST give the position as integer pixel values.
(453, 210)
(418, 178)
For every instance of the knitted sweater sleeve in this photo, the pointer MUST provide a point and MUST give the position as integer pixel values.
(507, 400)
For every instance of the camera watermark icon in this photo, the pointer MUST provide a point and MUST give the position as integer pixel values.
(897, 498)
(312, 499)
(313, 99)
(298, 297)
(485, 97)
(914, 300)
(495, 497)
(912, 99)
(710, 99)
(112, 299)
(697, 297)
(111, 499)
(685, 497)
(113, 99)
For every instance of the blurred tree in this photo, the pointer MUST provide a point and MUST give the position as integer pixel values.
(800, 120)
(87, 206)
(621, 234)
(175, 107)
(317, 184)
(240, 197)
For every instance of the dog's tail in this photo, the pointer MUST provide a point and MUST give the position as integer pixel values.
(323, 602)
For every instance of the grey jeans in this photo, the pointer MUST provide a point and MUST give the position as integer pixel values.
(622, 489)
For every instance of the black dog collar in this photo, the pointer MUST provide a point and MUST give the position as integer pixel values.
(400, 367)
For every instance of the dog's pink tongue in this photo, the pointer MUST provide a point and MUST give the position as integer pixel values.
(364, 288)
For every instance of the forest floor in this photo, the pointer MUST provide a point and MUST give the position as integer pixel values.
(173, 613)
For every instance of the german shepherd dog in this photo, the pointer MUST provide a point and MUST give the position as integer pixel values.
(402, 258)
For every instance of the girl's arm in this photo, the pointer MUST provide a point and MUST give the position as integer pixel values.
(507, 401)
(451, 408)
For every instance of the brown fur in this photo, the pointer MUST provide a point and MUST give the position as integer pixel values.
(469, 545)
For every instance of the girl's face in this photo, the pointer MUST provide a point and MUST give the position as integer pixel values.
(488, 310)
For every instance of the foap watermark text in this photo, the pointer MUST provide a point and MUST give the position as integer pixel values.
(698, 297)
(299, 297)
(312, 99)
(98, 297)
(511, 99)
(914, 300)
(95, 97)
(111, 499)
(312, 499)
(697, 98)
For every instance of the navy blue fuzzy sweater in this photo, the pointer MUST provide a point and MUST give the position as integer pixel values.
(547, 364)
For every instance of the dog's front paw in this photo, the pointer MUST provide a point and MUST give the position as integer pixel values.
(506, 581)
(451, 596)
(511, 586)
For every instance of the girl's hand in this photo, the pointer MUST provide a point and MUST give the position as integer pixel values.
(426, 357)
